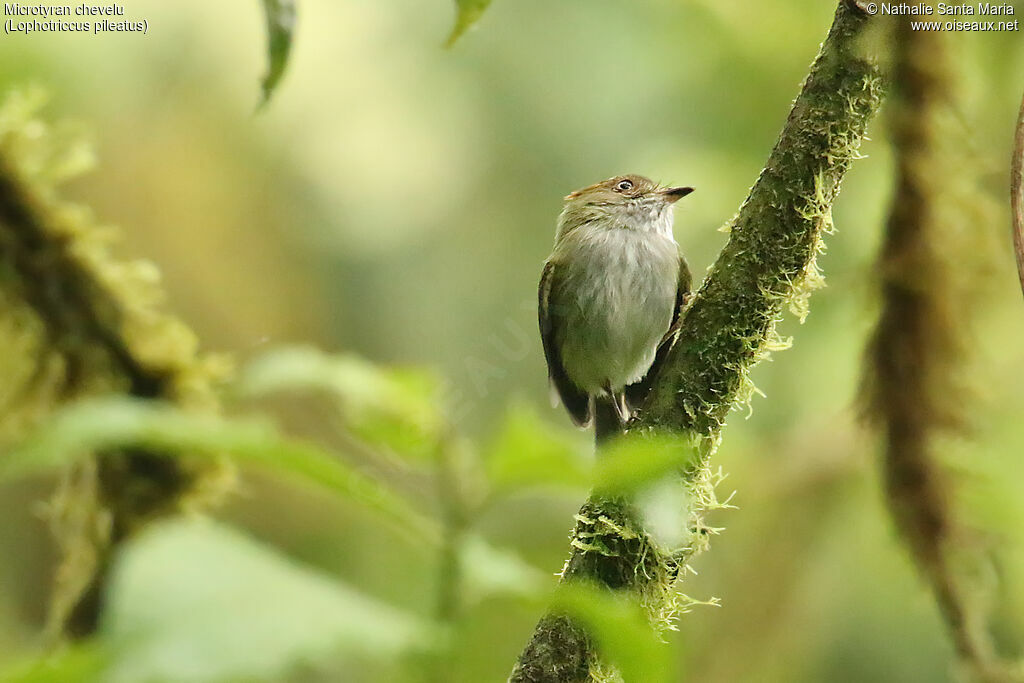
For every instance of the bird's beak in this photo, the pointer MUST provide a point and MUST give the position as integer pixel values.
(674, 194)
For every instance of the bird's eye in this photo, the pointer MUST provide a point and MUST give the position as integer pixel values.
(624, 185)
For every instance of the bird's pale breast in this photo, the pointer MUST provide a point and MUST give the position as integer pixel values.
(615, 301)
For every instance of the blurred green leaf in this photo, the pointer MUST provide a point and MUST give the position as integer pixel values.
(622, 630)
(494, 571)
(100, 425)
(195, 601)
(280, 15)
(78, 663)
(633, 461)
(396, 408)
(529, 452)
(468, 12)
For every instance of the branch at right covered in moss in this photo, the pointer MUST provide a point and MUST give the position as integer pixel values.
(913, 389)
(80, 323)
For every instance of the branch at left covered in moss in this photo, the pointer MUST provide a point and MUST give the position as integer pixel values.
(77, 322)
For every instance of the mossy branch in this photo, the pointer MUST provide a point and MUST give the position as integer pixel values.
(95, 330)
(768, 262)
(913, 391)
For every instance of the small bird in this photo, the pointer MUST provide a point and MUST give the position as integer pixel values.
(610, 297)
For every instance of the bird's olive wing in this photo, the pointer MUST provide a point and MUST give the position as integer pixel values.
(684, 291)
(574, 400)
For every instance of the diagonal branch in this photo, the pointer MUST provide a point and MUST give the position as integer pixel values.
(768, 262)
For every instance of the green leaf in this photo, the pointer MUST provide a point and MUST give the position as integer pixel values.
(527, 452)
(78, 663)
(195, 601)
(468, 12)
(102, 425)
(621, 629)
(280, 15)
(396, 408)
(633, 461)
(494, 571)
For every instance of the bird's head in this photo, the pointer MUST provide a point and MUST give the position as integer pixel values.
(627, 201)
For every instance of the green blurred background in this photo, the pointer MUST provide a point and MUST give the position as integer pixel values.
(397, 200)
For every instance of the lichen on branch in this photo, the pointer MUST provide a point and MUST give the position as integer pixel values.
(768, 263)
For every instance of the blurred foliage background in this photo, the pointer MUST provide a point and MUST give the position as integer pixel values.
(396, 200)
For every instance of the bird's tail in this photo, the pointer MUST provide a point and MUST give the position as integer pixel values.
(609, 416)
